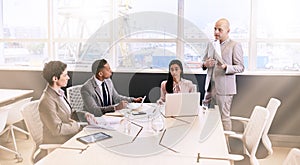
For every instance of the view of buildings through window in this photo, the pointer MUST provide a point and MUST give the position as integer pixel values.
(139, 34)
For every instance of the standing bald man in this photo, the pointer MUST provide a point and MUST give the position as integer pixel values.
(223, 59)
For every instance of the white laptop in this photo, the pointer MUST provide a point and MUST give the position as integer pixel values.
(182, 104)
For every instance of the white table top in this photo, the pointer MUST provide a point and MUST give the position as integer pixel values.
(8, 96)
(204, 135)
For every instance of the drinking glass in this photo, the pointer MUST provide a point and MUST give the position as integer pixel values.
(157, 123)
(126, 122)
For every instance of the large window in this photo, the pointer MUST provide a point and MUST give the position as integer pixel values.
(277, 35)
(142, 35)
(23, 32)
(204, 14)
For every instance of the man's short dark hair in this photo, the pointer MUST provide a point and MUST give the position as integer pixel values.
(98, 65)
(53, 69)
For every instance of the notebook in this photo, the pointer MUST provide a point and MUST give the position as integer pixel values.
(182, 104)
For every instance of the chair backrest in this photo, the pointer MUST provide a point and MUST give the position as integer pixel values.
(254, 129)
(293, 157)
(74, 97)
(195, 87)
(3, 118)
(14, 113)
(272, 107)
(33, 121)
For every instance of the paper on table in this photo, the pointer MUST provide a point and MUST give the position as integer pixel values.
(106, 122)
(134, 106)
(109, 119)
(114, 114)
(217, 48)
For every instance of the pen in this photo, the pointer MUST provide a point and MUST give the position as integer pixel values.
(143, 99)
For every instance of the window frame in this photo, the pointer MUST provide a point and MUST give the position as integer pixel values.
(51, 41)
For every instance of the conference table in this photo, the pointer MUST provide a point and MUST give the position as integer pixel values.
(196, 139)
(8, 96)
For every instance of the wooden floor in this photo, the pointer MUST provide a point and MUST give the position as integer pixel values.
(25, 147)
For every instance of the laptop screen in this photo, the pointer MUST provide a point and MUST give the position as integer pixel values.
(182, 104)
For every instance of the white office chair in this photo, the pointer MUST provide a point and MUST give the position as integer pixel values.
(272, 107)
(252, 133)
(195, 87)
(15, 116)
(75, 99)
(3, 118)
(293, 157)
(34, 124)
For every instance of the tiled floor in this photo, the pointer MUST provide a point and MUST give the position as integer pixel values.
(25, 147)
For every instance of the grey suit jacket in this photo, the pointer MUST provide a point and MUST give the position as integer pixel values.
(55, 116)
(92, 97)
(225, 80)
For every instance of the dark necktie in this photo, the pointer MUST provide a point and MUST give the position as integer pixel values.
(106, 97)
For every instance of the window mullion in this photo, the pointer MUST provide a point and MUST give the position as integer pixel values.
(50, 42)
(180, 30)
(252, 39)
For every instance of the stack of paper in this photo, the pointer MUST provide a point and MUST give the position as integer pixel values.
(218, 54)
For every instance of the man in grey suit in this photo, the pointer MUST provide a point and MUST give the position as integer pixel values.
(222, 59)
(98, 93)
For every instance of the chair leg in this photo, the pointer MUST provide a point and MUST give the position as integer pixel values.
(18, 155)
(245, 151)
(22, 131)
(13, 138)
(254, 161)
(227, 142)
(7, 149)
(7, 129)
(12, 127)
(10, 131)
(268, 144)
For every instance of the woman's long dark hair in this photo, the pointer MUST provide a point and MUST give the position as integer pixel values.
(169, 84)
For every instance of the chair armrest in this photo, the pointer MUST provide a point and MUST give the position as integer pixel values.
(233, 134)
(228, 133)
(235, 157)
(230, 157)
(83, 124)
(243, 120)
(49, 147)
